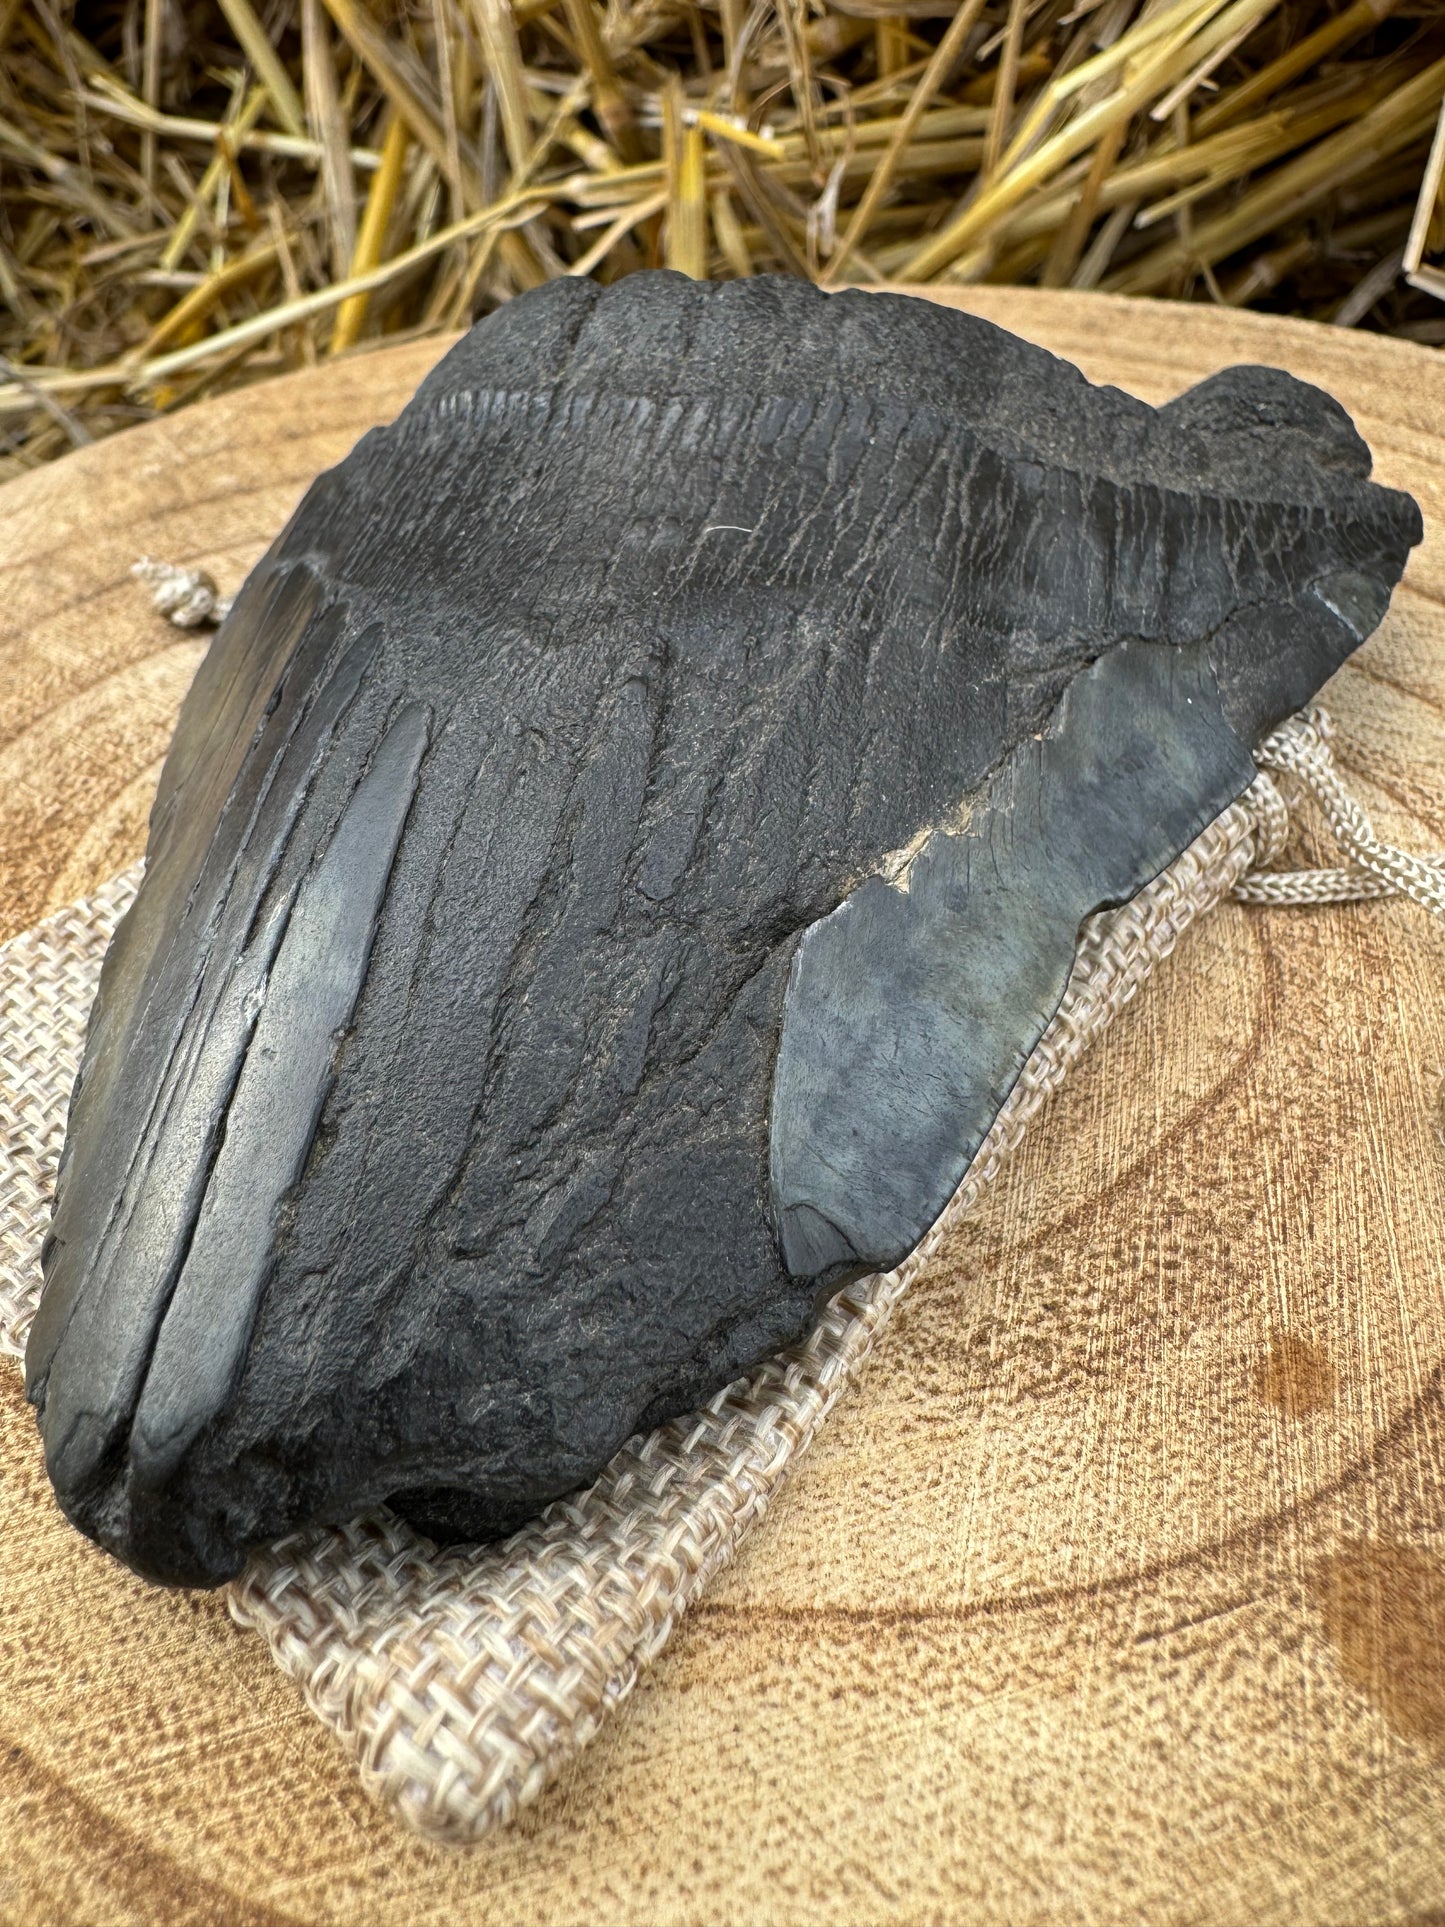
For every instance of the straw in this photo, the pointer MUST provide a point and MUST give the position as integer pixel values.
(193, 198)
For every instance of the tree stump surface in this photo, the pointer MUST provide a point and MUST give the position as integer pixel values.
(1116, 1591)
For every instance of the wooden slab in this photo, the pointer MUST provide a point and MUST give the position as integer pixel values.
(1116, 1594)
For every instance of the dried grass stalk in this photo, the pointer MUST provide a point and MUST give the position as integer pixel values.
(192, 198)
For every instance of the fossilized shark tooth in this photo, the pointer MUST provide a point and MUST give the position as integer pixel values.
(614, 862)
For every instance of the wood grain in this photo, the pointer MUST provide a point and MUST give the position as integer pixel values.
(1118, 1591)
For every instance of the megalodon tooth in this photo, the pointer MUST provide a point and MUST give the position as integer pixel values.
(612, 865)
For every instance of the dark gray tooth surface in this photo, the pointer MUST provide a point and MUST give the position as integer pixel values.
(612, 865)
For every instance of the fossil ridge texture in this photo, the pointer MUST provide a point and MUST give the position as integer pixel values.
(614, 862)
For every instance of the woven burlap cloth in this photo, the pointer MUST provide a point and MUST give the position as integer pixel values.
(461, 1682)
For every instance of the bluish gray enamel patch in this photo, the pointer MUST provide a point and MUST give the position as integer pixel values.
(911, 1010)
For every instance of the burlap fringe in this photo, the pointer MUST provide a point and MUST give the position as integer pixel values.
(463, 1682)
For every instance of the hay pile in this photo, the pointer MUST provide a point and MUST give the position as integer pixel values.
(199, 192)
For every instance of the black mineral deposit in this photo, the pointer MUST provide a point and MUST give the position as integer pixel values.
(612, 865)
